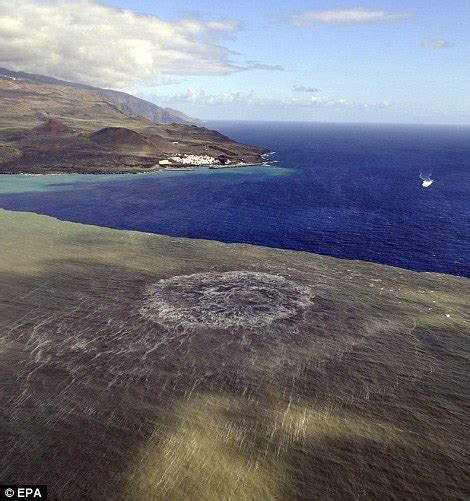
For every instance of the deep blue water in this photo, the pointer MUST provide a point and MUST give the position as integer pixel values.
(351, 191)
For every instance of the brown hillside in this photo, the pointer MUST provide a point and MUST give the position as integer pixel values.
(8, 153)
(48, 128)
(124, 139)
(54, 126)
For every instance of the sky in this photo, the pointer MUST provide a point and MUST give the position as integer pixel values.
(338, 61)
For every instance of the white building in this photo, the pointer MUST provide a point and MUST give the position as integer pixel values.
(195, 160)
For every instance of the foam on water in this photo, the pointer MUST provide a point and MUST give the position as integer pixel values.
(224, 300)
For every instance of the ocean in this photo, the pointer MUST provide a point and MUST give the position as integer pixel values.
(140, 366)
(352, 191)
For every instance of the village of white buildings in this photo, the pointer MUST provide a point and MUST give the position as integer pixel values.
(192, 160)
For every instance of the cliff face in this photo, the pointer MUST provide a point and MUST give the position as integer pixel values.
(53, 128)
(147, 110)
(128, 104)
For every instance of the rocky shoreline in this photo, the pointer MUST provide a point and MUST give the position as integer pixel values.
(143, 171)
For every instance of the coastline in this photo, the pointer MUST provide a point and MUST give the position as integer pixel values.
(263, 159)
(152, 170)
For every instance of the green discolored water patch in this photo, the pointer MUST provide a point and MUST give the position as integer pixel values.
(357, 388)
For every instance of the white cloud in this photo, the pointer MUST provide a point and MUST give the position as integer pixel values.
(85, 41)
(344, 16)
(164, 80)
(258, 65)
(303, 88)
(200, 97)
(437, 43)
(196, 96)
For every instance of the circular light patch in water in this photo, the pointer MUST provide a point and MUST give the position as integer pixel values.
(223, 300)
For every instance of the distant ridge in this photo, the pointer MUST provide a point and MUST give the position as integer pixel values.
(127, 103)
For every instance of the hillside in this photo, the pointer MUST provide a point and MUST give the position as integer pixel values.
(126, 102)
(52, 128)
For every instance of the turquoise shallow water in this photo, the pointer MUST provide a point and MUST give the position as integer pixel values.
(25, 183)
(349, 191)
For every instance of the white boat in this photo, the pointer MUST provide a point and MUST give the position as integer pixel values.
(426, 180)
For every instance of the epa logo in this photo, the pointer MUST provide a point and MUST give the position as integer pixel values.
(24, 492)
